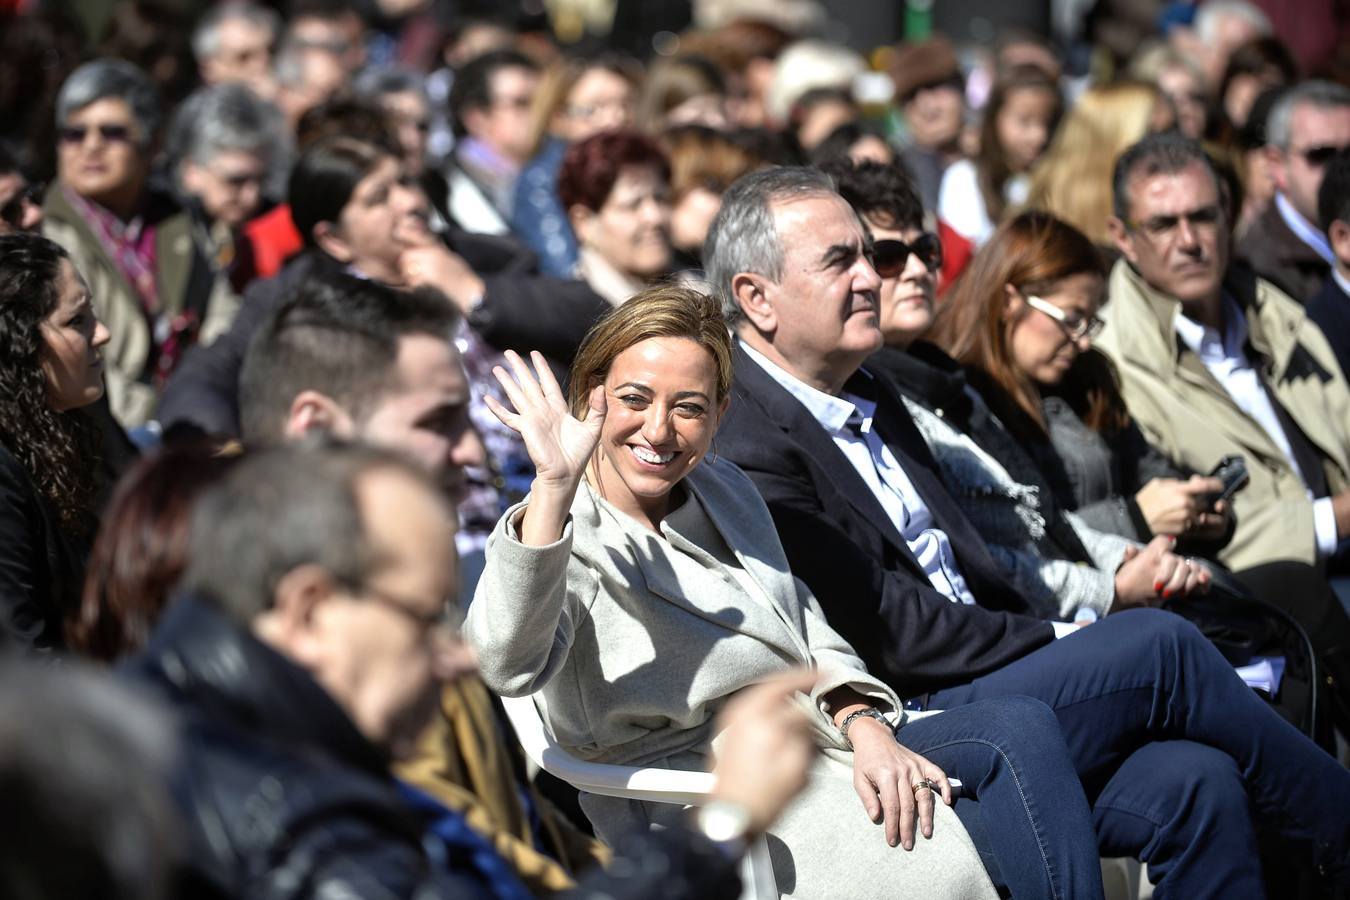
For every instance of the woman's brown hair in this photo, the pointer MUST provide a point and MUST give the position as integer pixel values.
(664, 311)
(1032, 252)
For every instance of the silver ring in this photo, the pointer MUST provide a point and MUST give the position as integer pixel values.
(924, 783)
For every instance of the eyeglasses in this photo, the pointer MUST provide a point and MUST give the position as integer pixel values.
(1075, 325)
(1317, 157)
(890, 256)
(13, 209)
(113, 134)
(444, 622)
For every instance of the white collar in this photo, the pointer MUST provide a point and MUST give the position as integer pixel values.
(1341, 281)
(1304, 230)
(830, 411)
(1206, 343)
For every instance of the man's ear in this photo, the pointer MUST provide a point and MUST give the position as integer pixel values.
(1120, 236)
(312, 411)
(752, 292)
(328, 237)
(472, 117)
(290, 623)
(581, 220)
(1338, 235)
(191, 177)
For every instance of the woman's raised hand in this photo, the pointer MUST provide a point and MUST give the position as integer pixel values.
(560, 445)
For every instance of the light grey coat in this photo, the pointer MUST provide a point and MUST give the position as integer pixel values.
(629, 665)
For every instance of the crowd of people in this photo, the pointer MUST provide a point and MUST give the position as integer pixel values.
(734, 402)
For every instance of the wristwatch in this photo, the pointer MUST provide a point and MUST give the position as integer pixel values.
(870, 712)
(725, 824)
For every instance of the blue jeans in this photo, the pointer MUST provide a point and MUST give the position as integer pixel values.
(1175, 753)
(1031, 815)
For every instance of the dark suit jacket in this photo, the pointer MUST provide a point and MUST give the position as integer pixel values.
(1280, 256)
(1330, 309)
(840, 541)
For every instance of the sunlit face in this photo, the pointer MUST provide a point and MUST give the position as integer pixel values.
(504, 124)
(691, 218)
(72, 337)
(229, 187)
(383, 652)
(1187, 94)
(663, 410)
(408, 113)
(708, 110)
(100, 153)
(20, 208)
(1177, 233)
(387, 213)
(600, 100)
(1023, 125)
(1301, 168)
(424, 414)
(244, 53)
(822, 119)
(824, 308)
(905, 305)
(934, 116)
(1042, 347)
(632, 229)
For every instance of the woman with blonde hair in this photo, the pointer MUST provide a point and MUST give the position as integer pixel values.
(642, 583)
(1073, 180)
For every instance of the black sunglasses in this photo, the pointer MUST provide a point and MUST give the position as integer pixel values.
(113, 134)
(890, 256)
(12, 211)
(1320, 156)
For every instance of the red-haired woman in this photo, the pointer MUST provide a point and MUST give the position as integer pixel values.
(616, 188)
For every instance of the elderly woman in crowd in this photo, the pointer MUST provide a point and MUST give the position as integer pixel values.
(51, 367)
(616, 188)
(576, 99)
(226, 146)
(150, 285)
(642, 583)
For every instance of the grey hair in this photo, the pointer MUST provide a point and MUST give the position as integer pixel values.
(224, 118)
(1159, 154)
(1321, 94)
(116, 79)
(743, 236)
(278, 510)
(206, 37)
(374, 83)
(1212, 12)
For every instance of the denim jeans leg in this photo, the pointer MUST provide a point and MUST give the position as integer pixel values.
(1143, 676)
(1011, 757)
(1192, 826)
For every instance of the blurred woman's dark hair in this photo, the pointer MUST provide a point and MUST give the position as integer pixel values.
(839, 143)
(591, 167)
(324, 178)
(1265, 58)
(141, 549)
(58, 450)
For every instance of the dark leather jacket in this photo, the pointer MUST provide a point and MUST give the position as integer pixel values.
(282, 797)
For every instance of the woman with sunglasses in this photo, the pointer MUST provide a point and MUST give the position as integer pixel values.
(1060, 567)
(153, 288)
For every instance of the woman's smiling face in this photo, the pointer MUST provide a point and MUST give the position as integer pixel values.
(662, 413)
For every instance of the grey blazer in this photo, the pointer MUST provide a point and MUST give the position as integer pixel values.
(629, 665)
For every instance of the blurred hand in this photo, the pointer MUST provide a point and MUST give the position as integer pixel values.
(1175, 507)
(432, 264)
(765, 753)
(1149, 575)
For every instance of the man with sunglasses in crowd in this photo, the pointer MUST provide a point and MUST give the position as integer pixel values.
(1285, 245)
(20, 201)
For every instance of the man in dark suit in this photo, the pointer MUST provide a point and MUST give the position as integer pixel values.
(1330, 307)
(1147, 706)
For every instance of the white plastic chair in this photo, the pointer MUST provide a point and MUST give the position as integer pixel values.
(633, 783)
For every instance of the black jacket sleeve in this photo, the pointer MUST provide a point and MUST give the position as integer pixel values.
(24, 581)
(671, 864)
(525, 312)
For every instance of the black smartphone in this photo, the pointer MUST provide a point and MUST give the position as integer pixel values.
(1232, 471)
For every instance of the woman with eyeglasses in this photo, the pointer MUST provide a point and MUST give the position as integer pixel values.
(155, 291)
(1062, 566)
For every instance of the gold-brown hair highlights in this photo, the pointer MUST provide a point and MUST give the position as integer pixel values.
(662, 311)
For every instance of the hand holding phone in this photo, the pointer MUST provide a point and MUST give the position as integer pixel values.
(1232, 471)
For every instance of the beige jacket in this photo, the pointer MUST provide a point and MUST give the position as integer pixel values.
(1187, 414)
(629, 665)
(179, 271)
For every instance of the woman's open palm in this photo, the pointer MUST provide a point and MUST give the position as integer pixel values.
(560, 445)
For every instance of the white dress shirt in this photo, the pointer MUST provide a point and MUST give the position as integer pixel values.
(847, 419)
(1304, 230)
(1227, 361)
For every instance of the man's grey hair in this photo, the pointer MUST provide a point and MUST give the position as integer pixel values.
(206, 37)
(373, 84)
(278, 510)
(1211, 14)
(228, 118)
(112, 79)
(1319, 94)
(743, 236)
(1158, 154)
